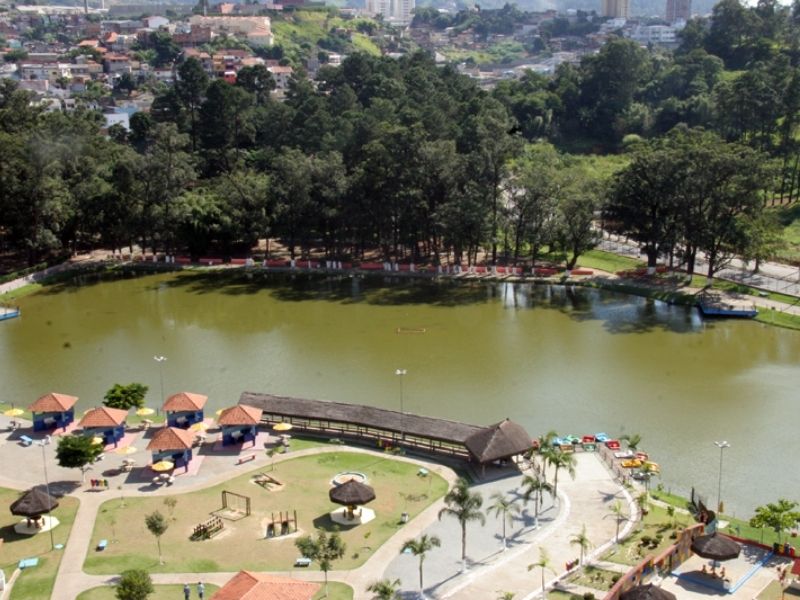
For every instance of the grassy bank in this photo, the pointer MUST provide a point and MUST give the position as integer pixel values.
(160, 592)
(37, 582)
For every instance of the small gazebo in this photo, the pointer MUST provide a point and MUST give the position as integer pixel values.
(184, 409)
(104, 422)
(173, 444)
(352, 494)
(647, 592)
(497, 442)
(52, 411)
(239, 424)
(32, 505)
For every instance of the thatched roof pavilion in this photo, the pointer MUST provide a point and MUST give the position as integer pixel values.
(496, 442)
(33, 504)
(352, 493)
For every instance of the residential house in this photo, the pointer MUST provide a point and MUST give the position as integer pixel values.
(256, 30)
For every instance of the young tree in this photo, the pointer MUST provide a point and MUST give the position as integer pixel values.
(324, 550)
(561, 460)
(506, 508)
(157, 524)
(581, 540)
(464, 506)
(419, 547)
(134, 584)
(385, 589)
(618, 513)
(544, 564)
(780, 515)
(633, 440)
(126, 396)
(535, 487)
(77, 452)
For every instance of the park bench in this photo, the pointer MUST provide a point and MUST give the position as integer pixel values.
(246, 458)
(101, 545)
(25, 440)
(27, 563)
(302, 562)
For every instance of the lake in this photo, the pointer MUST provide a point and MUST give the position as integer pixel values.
(572, 359)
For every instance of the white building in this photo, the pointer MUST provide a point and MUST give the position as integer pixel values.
(393, 11)
(653, 34)
(256, 30)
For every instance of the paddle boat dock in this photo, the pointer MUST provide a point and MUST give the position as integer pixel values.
(718, 305)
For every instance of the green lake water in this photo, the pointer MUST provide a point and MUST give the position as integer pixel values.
(550, 357)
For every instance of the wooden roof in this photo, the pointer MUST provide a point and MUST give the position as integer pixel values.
(497, 441)
(103, 416)
(171, 438)
(246, 585)
(53, 402)
(241, 414)
(185, 401)
(356, 414)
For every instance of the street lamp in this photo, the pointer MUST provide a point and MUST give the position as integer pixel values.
(161, 360)
(721, 445)
(47, 489)
(401, 373)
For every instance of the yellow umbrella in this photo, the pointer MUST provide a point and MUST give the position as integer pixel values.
(163, 465)
(201, 426)
(219, 412)
(126, 450)
(282, 426)
(145, 412)
(14, 412)
(97, 440)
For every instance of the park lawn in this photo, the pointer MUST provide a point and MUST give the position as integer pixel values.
(599, 579)
(607, 261)
(160, 592)
(657, 522)
(336, 591)
(35, 583)
(242, 545)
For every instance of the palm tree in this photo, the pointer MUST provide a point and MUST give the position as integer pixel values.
(505, 507)
(544, 564)
(562, 460)
(634, 439)
(582, 540)
(505, 595)
(385, 589)
(546, 446)
(419, 547)
(647, 470)
(619, 516)
(465, 506)
(535, 487)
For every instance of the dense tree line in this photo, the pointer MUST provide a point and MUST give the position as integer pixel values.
(418, 162)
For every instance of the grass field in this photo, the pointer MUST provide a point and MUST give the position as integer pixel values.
(606, 261)
(161, 592)
(657, 526)
(35, 583)
(242, 545)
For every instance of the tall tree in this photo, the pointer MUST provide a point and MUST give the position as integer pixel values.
(157, 525)
(505, 507)
(77, 452)
(126, 396)
(324, 550)
(535, 487)
(191, 88)
(419, 547)
(544, 564)
(465, 506)
(582, 541)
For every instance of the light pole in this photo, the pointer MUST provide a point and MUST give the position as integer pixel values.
(401, 373)
(160, 360)
(721, 445)
(47, 489)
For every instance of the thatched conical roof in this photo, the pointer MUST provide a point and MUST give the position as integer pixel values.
(33, 503)
(497, 441)
(351, 493)
(715, 546)
(647, 592)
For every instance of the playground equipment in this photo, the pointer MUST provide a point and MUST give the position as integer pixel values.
(268, 482)
(234, 506)
(207, 529)
(282, 525)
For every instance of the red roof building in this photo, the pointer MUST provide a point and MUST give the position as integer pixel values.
(246, 585)
(241, 414)
(53, 402)
(171, 438)
(103, 416)
(184, 401)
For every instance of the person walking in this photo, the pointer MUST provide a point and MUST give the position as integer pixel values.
(187, 591)
(201, 589)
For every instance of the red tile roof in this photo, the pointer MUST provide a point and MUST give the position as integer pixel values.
(53, 402)
(241, 414)
(171, 438)
(185, 401)
(103, 416)
(246, 585)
